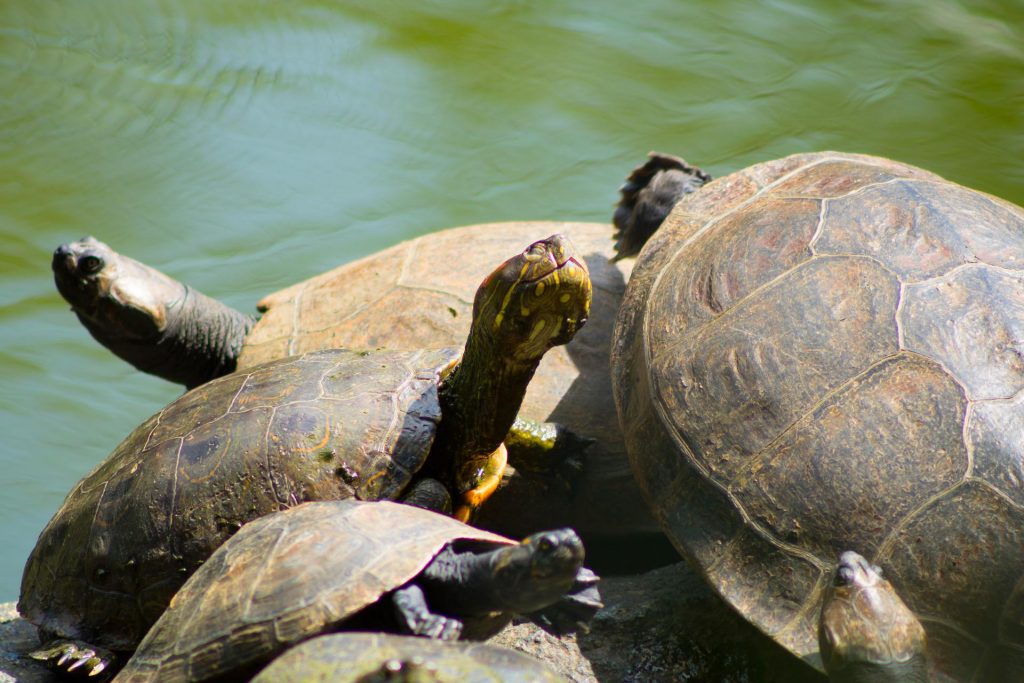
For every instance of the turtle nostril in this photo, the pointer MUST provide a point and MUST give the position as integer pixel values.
(61, 255)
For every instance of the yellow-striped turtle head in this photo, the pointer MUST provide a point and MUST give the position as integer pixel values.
(537, 299)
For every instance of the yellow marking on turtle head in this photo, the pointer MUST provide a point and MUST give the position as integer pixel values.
(565, 298)
(500, 315)
(537, 328)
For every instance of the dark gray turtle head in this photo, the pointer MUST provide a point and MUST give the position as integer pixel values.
(866, 633)
(538, 571)
(147, 318)
(114, 296)
(537, 299)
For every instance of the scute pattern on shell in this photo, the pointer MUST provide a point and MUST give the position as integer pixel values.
(287, 576)
(823, 353)
(323, 426)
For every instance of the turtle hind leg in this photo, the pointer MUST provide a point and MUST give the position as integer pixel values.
(76, 656)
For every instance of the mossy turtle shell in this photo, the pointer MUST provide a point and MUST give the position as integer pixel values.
(419, 294)
(824, 353)
(326, 425)
(348, 657)
(291, 575)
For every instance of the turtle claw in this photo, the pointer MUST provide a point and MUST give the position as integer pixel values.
(74, 656)
(441, 628)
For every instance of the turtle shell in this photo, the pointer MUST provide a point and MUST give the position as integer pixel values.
(321, 426)
(347, 657)
(824, 353)
(400, 299)
(288, 576)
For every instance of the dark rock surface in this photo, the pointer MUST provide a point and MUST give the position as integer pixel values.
(664, 625)
(17, 638)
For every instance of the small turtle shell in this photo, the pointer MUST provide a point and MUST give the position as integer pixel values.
(288, 576)
(824, 352)
(322, 426)
(347, 657)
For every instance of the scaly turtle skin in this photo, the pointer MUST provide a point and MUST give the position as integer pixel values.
(865, 633)
(328, 566)
(824, 352)
(359, 657)
(325, 425)
(397, 299)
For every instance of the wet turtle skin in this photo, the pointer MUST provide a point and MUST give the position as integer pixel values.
(355, 657)
(866, 633)
(296, 574)
(823, 352)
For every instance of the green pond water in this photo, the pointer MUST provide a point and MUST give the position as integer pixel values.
(243, 146)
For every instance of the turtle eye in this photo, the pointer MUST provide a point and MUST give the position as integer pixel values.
(90, 264)
(545, 544)
(537, 249)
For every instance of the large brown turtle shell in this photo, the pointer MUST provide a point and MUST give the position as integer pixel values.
(824, 353)
(322, 426)
(419, 294)
(355, 657)
(288, 576)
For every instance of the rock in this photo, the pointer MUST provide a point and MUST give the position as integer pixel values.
(665, 625)
(17, 639)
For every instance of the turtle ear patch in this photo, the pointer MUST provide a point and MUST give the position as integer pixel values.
(142, 312)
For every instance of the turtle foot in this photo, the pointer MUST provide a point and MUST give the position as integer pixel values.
(574, 610)
(546, 448)
(648, 195)
(75, 656)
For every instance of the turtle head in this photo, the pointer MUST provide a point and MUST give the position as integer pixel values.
(865, 625)
(114, 296)
(538, 571)
(536, 300)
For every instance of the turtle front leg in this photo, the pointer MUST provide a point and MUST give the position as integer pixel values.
(75, 656)
(429, 494)
(477, 479)
(414, 614)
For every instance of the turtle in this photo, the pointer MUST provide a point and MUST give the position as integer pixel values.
(866, 633)
(324, 425)
(821, 353)
(364, 657)
(354, 565)
(399, 299)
